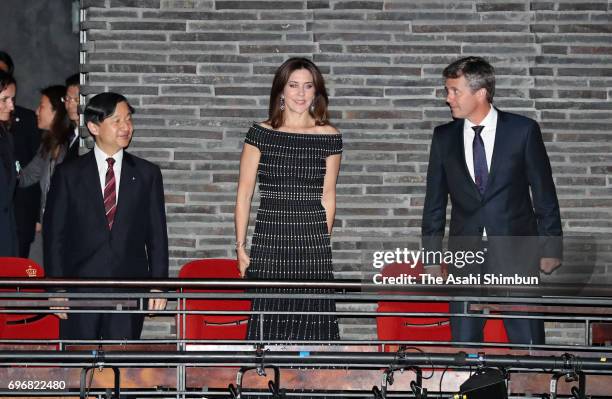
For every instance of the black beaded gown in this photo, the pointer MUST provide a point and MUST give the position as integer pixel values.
(290, 241)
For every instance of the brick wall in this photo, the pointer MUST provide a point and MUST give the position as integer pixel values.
(199, 72)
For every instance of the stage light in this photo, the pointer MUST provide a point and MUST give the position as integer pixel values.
(485, 384)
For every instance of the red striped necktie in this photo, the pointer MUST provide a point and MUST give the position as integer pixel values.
(110, 196)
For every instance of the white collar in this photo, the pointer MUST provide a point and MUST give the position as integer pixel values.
(489, 120)
(101, 156)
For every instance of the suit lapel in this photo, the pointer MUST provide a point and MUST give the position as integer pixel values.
(465, 171)
(501, 137)
(12, 177)
(127, 192)
(91, 184)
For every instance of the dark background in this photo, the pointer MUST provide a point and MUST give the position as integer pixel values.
(38, 36)
(198, 73)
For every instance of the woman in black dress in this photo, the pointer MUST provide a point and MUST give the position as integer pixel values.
(296, 155)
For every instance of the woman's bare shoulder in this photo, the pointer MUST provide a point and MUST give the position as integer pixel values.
(326, 129)
(265, 125)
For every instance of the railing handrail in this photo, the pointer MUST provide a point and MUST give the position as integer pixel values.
(557, 289)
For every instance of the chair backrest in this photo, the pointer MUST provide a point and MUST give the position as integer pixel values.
(25, 326)
(495, 331)
(411, 327)
(424, 328)
(20, 267)
(199, 326)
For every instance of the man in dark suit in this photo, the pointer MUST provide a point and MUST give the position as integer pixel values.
(8, 172)
(71, 102)
(26, 139)
(112, 204)
(494, 166)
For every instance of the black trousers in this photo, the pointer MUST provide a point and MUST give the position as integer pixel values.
(104, 325)
(24, 248)
(115, 326)
(470, 329)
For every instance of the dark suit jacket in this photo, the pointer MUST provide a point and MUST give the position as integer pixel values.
(8, 181)
(26, 137)
(73, 150)
(506, 209)
(77, 240)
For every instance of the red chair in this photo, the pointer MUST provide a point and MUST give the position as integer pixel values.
(19, 325)
(411, 328)
(495, 331)
(207, 326)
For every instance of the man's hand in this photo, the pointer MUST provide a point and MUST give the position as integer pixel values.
(62, 315)
(38, 227)
(548, 265)
(157, 303)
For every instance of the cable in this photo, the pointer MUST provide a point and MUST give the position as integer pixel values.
(441, 378)
(403, 348)
(93, 370)
(88, 386)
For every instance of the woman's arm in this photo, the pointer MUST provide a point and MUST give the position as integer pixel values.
(249, 161)
(32, 173)
(332, 167)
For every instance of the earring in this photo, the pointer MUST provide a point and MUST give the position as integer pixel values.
(282, 103)
(312, 108)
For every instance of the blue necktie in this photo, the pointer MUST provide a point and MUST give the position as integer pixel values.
(481, 172)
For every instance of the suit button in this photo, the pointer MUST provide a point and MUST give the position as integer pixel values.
(5, 210)
(480, 229)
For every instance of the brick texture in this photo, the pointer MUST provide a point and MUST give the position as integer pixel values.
(198, 73)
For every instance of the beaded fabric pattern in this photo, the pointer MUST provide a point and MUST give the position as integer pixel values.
(290, 241)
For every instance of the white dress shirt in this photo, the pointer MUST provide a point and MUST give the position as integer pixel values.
(74, 137)
(488, 137)
(103, 167)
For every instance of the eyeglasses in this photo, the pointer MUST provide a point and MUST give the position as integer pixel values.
(68, 99)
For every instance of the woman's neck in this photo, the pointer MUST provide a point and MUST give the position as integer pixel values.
(295, 121)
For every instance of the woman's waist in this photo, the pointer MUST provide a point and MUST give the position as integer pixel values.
(276, 201)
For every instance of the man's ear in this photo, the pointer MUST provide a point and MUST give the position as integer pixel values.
(93, 128)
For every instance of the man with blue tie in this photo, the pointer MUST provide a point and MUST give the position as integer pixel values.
(494, 167)
(111, 203)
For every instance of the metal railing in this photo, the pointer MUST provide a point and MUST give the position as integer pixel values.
(183, 355)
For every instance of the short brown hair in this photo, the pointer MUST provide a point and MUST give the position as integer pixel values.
(477, 71)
